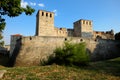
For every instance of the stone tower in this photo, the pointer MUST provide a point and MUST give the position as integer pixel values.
(44, 23)
(83, 28)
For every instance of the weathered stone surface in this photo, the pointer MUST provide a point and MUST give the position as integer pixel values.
(32, 51)
(2, 72)
(83, 26)
(45, 25)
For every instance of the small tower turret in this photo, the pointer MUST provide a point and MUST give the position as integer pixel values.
(44, 23)
(83, 28)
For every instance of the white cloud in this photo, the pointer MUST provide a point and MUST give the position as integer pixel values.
(33, 3)
(55, 11)
(41, 5)
(24, 4)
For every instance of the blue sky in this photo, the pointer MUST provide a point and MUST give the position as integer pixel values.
(105, 15)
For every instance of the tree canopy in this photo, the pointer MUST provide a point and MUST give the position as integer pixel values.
(117, 36)
(11, 8)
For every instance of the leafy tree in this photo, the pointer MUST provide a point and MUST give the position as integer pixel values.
(11, 8)
(117, 36)
(70, 54)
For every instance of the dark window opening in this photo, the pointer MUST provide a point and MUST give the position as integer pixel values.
(30, 38)
(46, 14)
(81, 40)
(89, 23)
(65, 39)
(42, 13)
(50, 15)
(98, 37)
(96, 32)
(83, 22)
(96, 40)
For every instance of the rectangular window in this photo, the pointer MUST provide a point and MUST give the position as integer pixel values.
(86, 22)
(83, 22)
(50, 15)
(46, 14)
(42, 13)
(89, 23)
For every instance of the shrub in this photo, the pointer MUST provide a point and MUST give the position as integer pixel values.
(70, 54)
(117, 36)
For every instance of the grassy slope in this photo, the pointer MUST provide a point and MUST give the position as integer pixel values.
(105, 70)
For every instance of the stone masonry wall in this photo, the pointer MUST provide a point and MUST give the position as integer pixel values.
(83, 28)
(45, 23)
(35, 49)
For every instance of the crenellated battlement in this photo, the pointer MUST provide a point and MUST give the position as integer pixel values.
(82, 28)
(32, 50)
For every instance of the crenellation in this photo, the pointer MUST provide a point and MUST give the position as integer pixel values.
(82, 28)
(32, 50)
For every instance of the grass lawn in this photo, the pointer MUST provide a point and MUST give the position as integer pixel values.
(104, 70)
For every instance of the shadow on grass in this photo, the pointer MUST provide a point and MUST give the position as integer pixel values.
(111, 67)
(4, 60)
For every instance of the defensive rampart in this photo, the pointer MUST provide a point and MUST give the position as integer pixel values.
(32, 50)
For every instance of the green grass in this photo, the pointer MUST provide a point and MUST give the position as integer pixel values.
(103, 70)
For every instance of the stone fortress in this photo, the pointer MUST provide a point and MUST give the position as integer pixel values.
(32, 50)
(82, 28)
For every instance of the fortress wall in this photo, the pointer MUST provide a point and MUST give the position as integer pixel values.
(61, 32)
(70, 32)
(35, 49)
(105, 49)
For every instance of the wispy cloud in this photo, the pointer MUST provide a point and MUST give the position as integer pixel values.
(33, 3)
(56, 12)
(24, 4)
(41, 5)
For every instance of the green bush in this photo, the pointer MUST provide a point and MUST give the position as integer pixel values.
(117, 36)
(70, 54)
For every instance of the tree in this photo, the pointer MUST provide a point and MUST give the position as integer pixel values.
(70, 54)
(11, 8)
(117, 36)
